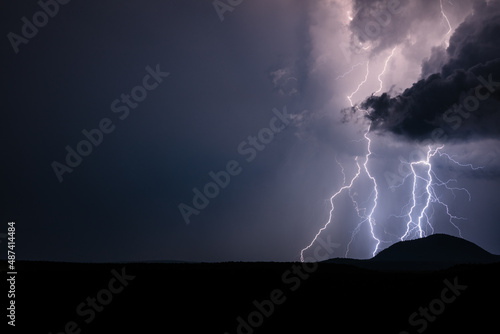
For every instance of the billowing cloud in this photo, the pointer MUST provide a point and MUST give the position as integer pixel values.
(462, 99)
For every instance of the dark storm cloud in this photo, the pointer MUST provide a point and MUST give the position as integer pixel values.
(476, 40)
(462, 100)
(435, 62)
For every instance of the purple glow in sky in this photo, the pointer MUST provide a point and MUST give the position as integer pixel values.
(414, 73)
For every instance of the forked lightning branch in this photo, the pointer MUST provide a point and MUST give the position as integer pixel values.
(427, 187)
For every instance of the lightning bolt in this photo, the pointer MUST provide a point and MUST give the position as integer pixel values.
(349, 97)
(424, 194)
(369, 218)
(383, 71)
(352, 69)
(341, 170)
(447, 21)
(431, 181)
(344, 187)
(411, 224)
(458, 163)
(371, 221)
(366, 218)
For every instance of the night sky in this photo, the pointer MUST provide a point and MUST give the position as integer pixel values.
(117, 116)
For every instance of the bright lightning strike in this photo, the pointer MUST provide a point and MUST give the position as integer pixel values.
(411, 224)
(352, 69)
(425, 181)
(458, 163)
(344, 187)
(349, 97)
(371, 221)
(447, 21)
(366, 218)
(369, 218)
(431, 181)
(383, 71)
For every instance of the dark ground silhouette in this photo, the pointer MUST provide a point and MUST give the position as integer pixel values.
(266, 297)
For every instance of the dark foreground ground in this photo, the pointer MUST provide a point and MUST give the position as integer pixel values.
(210, 298)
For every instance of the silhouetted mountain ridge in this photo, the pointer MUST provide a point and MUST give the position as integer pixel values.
(434, 252)
(437, 248)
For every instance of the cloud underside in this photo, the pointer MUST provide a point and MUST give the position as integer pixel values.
(462, 99)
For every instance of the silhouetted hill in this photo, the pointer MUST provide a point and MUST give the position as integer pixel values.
(437, 248)
(437, 251)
